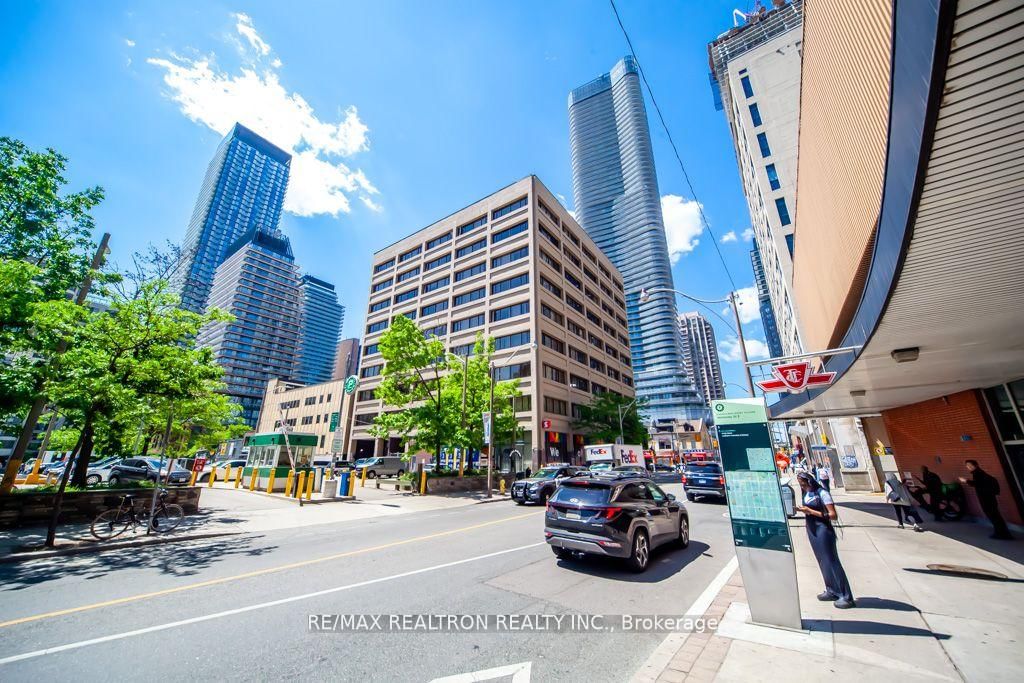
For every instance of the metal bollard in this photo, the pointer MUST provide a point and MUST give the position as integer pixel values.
(270, 484)
(301, 486)
(362, 479)
(309, 485)
(238, 477)
(195, 473)
(33, 477)
(213, 476)
(501, 486)
(423, 482)
(351, 486)
(227, 473)
(253, 479)
(288, 484)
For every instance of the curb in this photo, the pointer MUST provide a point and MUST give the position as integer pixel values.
(495, 499)
(100, 547)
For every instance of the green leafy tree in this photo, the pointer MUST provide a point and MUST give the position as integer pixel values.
(600, 419)
(473, 375)
(140, 350)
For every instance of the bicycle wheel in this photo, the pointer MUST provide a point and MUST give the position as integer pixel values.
(167, 518)
(110, 523)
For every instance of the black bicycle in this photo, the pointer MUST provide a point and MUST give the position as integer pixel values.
(115, 521)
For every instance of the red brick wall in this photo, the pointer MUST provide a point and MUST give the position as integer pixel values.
(923, 433)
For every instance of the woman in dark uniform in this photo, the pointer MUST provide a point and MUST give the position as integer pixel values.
(819, 511)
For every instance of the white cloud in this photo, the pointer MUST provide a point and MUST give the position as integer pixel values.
(729, 349)
(248, 31)
(129, 42)
(371, 205)
(748, 234)
(729, 237)
(255, 97)
(748, 304)
(682, 225)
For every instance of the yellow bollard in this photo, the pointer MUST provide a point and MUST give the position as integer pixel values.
(253, 478)
(238, 478)
(33, 477)
(362, 478)
(270, 483)
(227, 473)
(501, 486)
(195, 473)
(309, 485)
(213, 476)
(352, 485)
(301, 486)
(288, 484)
(423, 483)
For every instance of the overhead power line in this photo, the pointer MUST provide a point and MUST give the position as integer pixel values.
(675, 150)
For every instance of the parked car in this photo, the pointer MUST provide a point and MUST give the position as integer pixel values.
(616, 514)
(141, 469)
(386, 466)
(98, 471)
(600, 467)
(664, 474)
(703, 479)
(633, 469)
(204, 474)
(539, 487)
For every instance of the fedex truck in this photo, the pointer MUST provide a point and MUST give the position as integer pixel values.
(607, 456)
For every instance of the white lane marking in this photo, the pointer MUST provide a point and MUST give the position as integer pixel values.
(252, 608)
(663, 654)
(520, 673)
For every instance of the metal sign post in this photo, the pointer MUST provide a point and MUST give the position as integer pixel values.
(764, 547)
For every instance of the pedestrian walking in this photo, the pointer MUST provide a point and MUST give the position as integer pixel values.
(987, 488)
(825, 477)
(933, 485)
(896, 493)
(819, 514)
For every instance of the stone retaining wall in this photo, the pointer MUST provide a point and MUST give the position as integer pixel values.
(30, 509)
(442, 485)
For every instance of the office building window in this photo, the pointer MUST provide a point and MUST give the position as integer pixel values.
(380, 305)
(506, 312)
(434, 308)
(577, 355)
(522, 403)
(552, 343)
(409, 274)
(436, 284)
(550, 261)
(437, 331)
(762, 142)
(468, 323)
(548, 236)
(405, 296)
(370, 349)
(755, 115)
(748, 91)
(371, 371)
(376, 327)
(573, 304)
(470, 248)
(514, 371)
(550, 286)
(510, 340)
(365, 395)
(439, 261)
(383, 284)
(554, 374)
(471, 271)
(365, 419)
(474, 295)
(438, 241)
(790, 244)
(502, 235)
(468, 227)
(412, 253)
(551, 314)
(411, 315)
(780, 204)
(595, 364)
(573, 259)
(577, 382)
(505, 259)
(773, 176)
(573, 280)
(381, 267)
(463, 350)
(510, 283)
(555, 406)
(575, 329)
(509, 208)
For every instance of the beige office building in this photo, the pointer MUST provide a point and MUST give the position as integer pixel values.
(517, 267)
(324, 410)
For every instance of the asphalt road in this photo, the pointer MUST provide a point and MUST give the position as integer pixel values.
(238, 608)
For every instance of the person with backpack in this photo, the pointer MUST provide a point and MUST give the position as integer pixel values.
(820, 514)
(896, 493)
(987, 489)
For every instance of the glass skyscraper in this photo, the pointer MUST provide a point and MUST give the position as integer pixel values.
(618, 204)
(243, 189)
(771, 327)
(258, 283)
(322, 317)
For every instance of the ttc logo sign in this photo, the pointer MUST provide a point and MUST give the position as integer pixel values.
(795, 377)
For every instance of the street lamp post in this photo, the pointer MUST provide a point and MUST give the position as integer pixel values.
(622, 412)
(645, 296)
(490, 408)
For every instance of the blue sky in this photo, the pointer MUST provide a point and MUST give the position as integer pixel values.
(401, 112)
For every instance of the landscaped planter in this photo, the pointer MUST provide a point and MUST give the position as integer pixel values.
(31, 509)
(477, 482)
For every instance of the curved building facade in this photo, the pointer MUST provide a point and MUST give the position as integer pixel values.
(615, 188)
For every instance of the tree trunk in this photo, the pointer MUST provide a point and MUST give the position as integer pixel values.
(85, 453)
(145, 444)
(58, 498)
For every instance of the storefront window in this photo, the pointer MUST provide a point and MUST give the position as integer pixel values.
(1006, 417)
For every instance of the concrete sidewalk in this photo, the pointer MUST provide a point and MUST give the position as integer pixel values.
(226, 510)
(911, 623)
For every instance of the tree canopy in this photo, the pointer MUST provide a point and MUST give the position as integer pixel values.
(600, 418)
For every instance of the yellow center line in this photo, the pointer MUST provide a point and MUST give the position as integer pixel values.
(258, 572)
